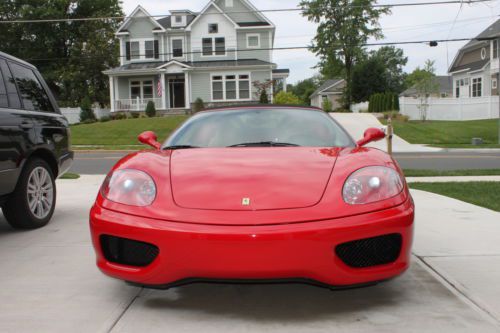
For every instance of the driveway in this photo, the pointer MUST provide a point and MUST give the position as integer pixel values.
(357, 123)
(50, 284)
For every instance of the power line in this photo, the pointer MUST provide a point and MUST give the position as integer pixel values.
(111, 18)
(286, 48)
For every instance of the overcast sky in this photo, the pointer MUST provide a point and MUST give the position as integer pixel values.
(404, 24)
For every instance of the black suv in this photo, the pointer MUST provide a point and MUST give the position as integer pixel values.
(34, 145)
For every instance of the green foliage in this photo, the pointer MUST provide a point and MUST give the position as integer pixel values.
(135, 115)
(198, 105)
(305, 88)
(425, 83)
(261, 90)
(343, 26)
(105, 119)
(383, 102)
(327, 105)
(86, 113)
(263, 99)
(151, 109)
(74, 54)
(286, 98)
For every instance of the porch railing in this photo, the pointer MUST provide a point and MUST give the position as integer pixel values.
(137, 104)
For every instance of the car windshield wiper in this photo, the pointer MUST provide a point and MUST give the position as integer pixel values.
(179, 147)
(265, 143)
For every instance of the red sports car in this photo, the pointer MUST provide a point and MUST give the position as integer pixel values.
(253, 194)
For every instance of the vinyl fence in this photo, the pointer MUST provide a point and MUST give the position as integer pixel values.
(73, 114)
(452, 108)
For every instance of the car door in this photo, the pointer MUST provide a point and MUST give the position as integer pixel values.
(15, 126)
(50, 126)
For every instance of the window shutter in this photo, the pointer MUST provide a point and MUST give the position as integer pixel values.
(127, 51)
(157, 49)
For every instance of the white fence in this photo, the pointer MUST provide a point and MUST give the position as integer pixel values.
(73, 114)
(452, 108)
(357, 108)
(137, 104)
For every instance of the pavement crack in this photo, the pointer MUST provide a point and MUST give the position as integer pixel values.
(125, 310)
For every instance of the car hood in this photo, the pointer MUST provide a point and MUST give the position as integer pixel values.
(243, 179)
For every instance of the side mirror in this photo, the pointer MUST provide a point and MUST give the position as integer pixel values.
(371, 135)
(149, 138)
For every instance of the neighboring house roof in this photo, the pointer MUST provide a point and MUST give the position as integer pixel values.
(327, 85)
(253, 24)
(281, 71)
(444, 82)
(492, 31)
(166, 22)
(473, 66)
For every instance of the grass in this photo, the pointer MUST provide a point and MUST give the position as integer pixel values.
(70, 175)
(119, 133)
(484, 194)
(449, 173)
(449, 134)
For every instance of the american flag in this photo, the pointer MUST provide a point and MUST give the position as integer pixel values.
(159, 87)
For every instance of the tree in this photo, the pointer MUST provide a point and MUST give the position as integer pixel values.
(286, 98)
(425, 83)
(262, 89)
(344, 26)
(70, 55)
(198, 105)
(86, 112)
(264, 98)
(150, 109)
(305, 88)
(327, 105)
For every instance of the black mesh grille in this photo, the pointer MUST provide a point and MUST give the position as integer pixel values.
(128, 252)
(370, 251)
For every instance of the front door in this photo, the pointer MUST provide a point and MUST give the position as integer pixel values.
(177, 93)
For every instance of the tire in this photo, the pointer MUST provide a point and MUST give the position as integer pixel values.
(38, 179)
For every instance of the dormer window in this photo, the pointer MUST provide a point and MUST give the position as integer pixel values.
(213, 28)
(178, 19)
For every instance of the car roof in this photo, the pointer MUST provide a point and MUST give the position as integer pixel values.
(12, 58)
(261, 106)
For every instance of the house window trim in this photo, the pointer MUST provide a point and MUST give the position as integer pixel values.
(483, 53)
(214, 50)
(494, 83)
(216, 28)
(141, 80)
(253, 35)
(481, 92)
(142, 49)
(183, 47)
(224, 92)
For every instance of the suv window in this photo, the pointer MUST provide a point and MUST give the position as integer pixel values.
(12, 95)
(4, 102)
(32, 93)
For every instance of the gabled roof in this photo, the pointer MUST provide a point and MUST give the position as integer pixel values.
(136, 11)
(211, 4)
(257, 12)
(445, 83)
(327, 85)
(166, 22)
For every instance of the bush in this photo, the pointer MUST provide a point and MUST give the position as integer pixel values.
(135, 115)
(86, 113)
(327, 105)
(264, 99)
(105, 119)
(383, 102)
(341, 110)
(198, 105)
(286, 98)
(118, 116)
(151, 109)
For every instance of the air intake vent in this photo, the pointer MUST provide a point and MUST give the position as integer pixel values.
(370, 251)
(128, 252)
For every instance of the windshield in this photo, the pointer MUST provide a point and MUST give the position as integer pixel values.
(260, 127)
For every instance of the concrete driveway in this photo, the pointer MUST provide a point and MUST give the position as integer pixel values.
(50, 284)
(357, 123)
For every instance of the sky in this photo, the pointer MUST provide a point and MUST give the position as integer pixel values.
(404, 24)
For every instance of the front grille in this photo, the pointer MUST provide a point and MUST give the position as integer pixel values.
(370, 251)
(128, 252)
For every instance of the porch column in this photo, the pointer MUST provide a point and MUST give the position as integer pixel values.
(187, 90)
(163, 91)
(112, 93)
(284, 84)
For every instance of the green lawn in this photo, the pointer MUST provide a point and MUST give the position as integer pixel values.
(484, 194)
(448, 173)
(449, 134)
(117, 133)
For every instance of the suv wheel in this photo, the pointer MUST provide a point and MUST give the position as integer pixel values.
(32, 204)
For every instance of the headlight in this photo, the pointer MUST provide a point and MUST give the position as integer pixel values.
(372, 184)
(129, 187)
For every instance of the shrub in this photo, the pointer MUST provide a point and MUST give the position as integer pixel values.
(327, 105)
(341, 110)
(263, 99)
(86, 113)
(118, 116)
(198, 105)
(286, 98)
(135, 115)
(105, 119)
(150, 109)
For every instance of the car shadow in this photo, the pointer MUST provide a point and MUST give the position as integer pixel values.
(274, 302)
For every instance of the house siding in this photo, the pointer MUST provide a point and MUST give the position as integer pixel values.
(248, 53)
(473, 56)
(238, 7)
(141, 28)
(200, 86)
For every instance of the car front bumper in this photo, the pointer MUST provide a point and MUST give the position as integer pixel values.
(302, 251)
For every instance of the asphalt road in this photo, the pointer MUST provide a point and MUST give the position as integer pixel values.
(94, 163)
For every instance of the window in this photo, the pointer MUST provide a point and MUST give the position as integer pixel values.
(135, 50)
(477, 87)
(4, 99)
(213, 28)
(483, 53)
(495, 48)
(457, 88)
(230, 87)
(10, 85)
(149, 47)
(210, 45)
(34, 96)
(141, 89)
(494, 83)
(178, 19)
(177, 48)
(229, 3)
(253, 41)
(462, 82)
(466, 80)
